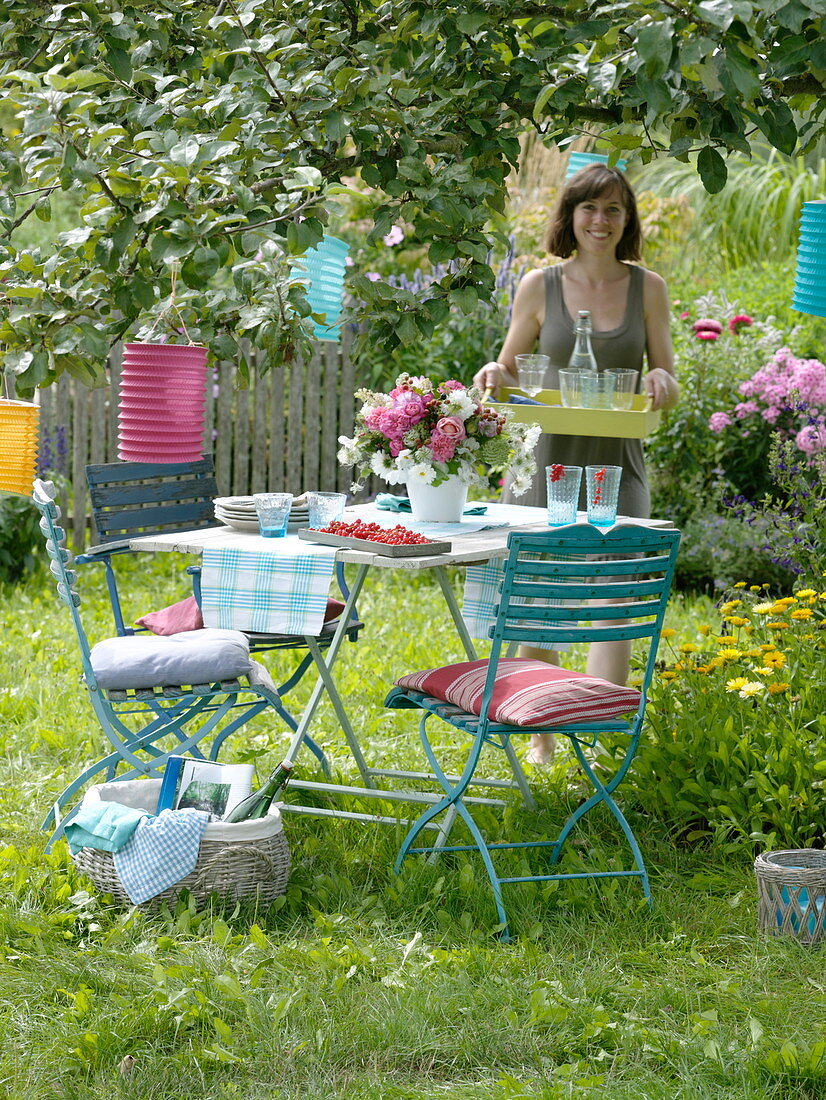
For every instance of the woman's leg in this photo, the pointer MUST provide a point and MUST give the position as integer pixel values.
(610, 661)
(543, 745)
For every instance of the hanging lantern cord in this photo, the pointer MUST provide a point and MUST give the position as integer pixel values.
(171, 307)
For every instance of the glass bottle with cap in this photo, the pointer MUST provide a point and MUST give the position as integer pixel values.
(583, 356)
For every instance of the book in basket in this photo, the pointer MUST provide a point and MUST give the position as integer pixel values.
(204, 785)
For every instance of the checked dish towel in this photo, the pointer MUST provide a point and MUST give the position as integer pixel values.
(278, 590)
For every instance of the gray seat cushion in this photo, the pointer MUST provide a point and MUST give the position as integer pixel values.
(189, 657)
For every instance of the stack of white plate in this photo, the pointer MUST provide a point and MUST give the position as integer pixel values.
(239, 513)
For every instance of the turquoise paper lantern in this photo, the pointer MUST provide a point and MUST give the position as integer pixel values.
(809, 295)
(582, 160)
(322, 269)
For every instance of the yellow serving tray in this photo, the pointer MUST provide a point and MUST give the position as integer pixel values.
(556, 419)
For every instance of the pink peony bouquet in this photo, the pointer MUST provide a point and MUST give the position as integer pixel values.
(426, 431)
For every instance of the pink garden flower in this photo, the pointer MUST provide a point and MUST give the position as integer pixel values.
(442, 447)
(395, 236)
(811, 439)
(706, 324)
(451, 427)
(742, 320)
(707, 334)
(719, 420)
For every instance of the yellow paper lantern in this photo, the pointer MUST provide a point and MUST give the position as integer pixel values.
(18, 445)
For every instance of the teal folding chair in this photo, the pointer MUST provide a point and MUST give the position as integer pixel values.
(601, 586)
(141, 688)
(130, 499)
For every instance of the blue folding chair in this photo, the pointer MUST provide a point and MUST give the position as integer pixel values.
(141, 690)
(574, 584)
(130, 499)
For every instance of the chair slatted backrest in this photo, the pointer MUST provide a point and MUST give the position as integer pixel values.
(553, 588)
(147, 498)
(43, 494)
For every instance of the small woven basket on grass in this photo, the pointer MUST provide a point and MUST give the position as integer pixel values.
(247, 859)
(791, 894)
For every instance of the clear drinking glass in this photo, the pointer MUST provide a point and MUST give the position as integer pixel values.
(563, 493)
(573, 384)
(531, 370)
(323, 508)
(602, 492)
(625, 386)
(273, 511)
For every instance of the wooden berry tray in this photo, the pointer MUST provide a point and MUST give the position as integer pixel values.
(551, 416)
(370, 546)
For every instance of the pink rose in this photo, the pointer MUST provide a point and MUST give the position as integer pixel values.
(451, 427)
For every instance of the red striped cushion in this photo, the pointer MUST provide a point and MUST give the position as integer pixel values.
(526, 693)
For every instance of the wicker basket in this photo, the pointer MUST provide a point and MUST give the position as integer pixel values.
(247, 859)
(791, 894)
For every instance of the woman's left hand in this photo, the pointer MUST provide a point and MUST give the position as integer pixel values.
(661, 388)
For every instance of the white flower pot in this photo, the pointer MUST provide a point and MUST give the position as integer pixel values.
(443, 503)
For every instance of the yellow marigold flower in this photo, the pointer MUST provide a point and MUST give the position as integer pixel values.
(742, 584)
(736, 620)
(715, 662)
(730, 605)
(736, 684)
(668, 675)
(749, 689)
(776, 659)
(777, 626)
(688, 647)
(765, 671)
(730, 654)
(778, 687)
(767, 647)
(802, 613)
(756, 587)
(703, 669)
(763, 608)
(705, 629)
(667, 632)
(804, 592)
(821, 595)
(787, 600)
(756, 652)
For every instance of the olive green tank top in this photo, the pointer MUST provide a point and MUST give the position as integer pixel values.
(620, 347)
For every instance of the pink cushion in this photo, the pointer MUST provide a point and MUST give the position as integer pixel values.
(526, 693)
(184, 615)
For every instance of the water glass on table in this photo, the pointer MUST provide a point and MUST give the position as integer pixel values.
(273, 511)
(531, 370)
(602, 493)
(563, 493)
(323, 508)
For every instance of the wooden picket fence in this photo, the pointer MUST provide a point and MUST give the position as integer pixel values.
(281, 434)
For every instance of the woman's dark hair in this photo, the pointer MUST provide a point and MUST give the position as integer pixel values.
(593, 182)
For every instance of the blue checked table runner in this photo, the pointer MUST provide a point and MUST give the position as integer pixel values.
(281, 589)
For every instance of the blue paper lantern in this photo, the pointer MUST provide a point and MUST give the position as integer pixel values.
(322, 269)
(582, 160)
(809, 294)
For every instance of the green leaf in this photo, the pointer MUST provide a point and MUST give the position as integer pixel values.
(712, 169)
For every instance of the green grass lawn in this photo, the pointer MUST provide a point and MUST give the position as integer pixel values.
(357, 983)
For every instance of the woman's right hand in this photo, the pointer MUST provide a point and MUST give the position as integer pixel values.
(491, 376)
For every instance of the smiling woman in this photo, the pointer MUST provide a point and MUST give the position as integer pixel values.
(595, 231)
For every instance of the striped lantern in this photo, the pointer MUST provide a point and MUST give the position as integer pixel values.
(322, 270)
(18, 445)
(162, 403)
(582, 160)
(809, 295)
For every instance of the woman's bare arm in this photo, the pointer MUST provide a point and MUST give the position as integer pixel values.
(526, 321)
(660, 383)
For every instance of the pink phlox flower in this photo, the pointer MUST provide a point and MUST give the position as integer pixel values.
(442, 447)
(745, 408)
(812, 438)
(373, 276)
(707, 334)
(706, 324)
(771, 414)
(719, 420)
(742, 320)
(395, 236)
(450, 385)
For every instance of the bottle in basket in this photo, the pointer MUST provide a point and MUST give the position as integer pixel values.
(583, 356)
(257, 804)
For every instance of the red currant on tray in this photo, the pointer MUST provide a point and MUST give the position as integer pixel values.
(373, 532)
